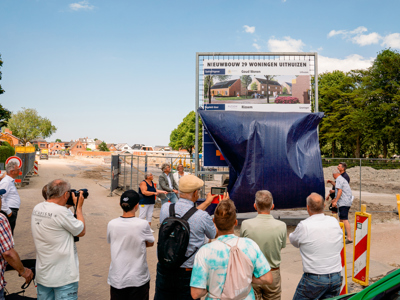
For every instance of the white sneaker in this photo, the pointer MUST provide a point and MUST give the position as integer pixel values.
(152, 231)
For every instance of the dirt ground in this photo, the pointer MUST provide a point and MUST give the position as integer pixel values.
(99, 209)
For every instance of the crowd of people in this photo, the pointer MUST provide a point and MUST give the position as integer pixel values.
(198, 253)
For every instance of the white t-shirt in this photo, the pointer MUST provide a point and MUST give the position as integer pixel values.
(127, 238)
(53, 229)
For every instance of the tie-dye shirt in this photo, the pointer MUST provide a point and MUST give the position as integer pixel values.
(211, 264)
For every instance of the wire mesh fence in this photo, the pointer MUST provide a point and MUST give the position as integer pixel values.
(374, 182)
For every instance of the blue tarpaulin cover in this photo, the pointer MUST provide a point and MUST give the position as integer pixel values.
(271, 151)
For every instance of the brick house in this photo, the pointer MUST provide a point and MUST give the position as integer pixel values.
(9, 137)
(288, 86)
(77, 147)
(301, 87)
(111, 147)
(231, 88)
(56, 147)
(42, 144)
(264, 86)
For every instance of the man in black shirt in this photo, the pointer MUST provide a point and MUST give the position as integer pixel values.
(342, 169)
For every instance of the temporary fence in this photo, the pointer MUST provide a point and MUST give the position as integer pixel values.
(368, 177)
(375, 180)
(128, 170)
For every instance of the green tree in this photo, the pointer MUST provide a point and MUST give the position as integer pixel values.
(285, 91)
(58, 141)
(103, 147)
(268, 77)
(183, 137)
(209, 82)
(5, 151)
(254, 86)
(28, 125)
(246, 80)
(1, 64)
(5, 115)
(383, 85)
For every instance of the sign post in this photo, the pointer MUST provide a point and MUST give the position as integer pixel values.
(16, 159)
(362, 239)
(343, 288)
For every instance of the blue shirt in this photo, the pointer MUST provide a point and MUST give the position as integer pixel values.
(200, 223)
(211, 264)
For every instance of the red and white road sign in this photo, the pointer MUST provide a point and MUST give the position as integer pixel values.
(36, 168)
(343, 288)
(361, 248)
(16, 159)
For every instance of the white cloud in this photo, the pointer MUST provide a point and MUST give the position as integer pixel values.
(359, 30)
(367, 39)
(357, 36)
(392, 40)
(336, 32)
(83, 5)
(258, 47)
(351, 62)
(286, 45)
(249, 29)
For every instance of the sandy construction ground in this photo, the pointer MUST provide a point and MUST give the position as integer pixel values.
(99, 209)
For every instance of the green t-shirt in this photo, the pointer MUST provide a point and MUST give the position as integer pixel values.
(269, 234)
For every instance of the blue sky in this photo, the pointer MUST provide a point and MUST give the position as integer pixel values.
(124, 71)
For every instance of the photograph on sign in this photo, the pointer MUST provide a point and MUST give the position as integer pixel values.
(243, 84)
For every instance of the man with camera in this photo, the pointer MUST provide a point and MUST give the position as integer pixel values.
(53, 230)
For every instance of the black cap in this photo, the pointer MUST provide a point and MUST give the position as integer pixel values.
(2, 191)
(131, 198)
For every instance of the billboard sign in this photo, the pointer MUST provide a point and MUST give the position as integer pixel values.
(256, 82)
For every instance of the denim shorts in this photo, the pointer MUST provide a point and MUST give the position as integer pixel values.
(65, 292)
(314, 286)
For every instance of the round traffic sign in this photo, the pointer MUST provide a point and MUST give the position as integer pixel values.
(16, 159)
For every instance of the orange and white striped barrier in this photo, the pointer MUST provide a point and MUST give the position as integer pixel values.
(343, 288)
(36, 168)
(361, 247)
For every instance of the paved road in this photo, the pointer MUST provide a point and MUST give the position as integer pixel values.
(99, 209)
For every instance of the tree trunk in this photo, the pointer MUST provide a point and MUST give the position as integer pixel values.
(358, 147)
(333, 148)
(385, 148)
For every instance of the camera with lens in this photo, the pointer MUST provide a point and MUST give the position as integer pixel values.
(70, 201)
(85, 194)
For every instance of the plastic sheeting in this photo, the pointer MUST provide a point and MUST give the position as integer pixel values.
(271, 151)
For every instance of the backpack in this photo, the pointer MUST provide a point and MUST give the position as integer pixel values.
(238, 276)
(173, 239)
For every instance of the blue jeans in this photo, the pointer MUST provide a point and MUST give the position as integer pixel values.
(170, 197)
(313, 286)
(65, 292)
(2, 294)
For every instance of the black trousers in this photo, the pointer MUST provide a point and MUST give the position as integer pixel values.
(172, 284)
(135, 293)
